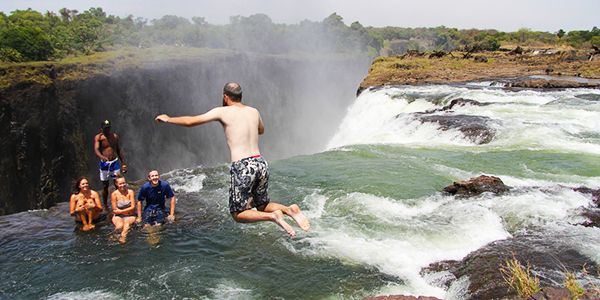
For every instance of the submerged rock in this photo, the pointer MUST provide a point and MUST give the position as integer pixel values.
(477, 185)
(595, 193)
(591, 213)
(461, 102)
(474, 128)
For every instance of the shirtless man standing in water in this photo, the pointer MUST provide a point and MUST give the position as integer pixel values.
(106, 146)
(242, 125)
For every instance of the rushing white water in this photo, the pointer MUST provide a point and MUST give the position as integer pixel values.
(532, 120)
(404, 235)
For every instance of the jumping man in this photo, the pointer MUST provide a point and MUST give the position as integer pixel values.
(249, 170)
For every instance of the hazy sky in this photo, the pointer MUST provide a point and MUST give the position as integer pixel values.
(505, 15)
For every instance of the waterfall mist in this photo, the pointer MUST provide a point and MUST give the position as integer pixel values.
(301, 102)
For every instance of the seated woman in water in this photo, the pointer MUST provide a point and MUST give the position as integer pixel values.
(84, 214)
(85, 204)
(123, 204)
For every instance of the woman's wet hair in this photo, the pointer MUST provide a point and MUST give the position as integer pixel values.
(77, 182)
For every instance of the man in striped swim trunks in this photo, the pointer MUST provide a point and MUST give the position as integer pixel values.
(106, 147)
(249, 170)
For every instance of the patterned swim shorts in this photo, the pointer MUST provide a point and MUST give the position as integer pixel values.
(109, 169)
(249, 184)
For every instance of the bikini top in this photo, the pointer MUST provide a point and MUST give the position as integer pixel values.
(123, 205)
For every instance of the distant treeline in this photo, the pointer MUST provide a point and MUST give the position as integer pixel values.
(28, 35)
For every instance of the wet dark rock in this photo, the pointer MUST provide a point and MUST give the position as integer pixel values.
(547, 257)
(595, 193)
(461, 102)
(546, 293)
(41, 146)
(590, 97)
(475, 128)
(591, 213)
(477, 185)
(593, 216)
(552, 84)
(550, 293)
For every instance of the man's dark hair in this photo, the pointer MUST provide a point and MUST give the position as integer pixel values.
(233, 91)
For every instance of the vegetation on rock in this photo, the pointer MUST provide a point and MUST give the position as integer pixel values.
(414, 67)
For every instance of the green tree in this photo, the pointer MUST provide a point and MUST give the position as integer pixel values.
(4, 21)
(595, 42)
(31, 42)
(560, 33)
(68, 14)
(490, 43)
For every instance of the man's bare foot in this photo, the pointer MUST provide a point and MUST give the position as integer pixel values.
(86, 227)
(299, 217)
(278, 219)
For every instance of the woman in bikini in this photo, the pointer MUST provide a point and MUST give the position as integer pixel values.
(85, 203)
(123, 204)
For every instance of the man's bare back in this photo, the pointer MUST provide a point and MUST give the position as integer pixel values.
(242, 125)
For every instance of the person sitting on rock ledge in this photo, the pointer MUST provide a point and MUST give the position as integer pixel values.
(84, 204)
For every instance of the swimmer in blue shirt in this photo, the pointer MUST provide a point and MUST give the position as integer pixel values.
(155, 193)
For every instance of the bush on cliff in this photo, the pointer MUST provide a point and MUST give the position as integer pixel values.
(31, 43)
(10, 54)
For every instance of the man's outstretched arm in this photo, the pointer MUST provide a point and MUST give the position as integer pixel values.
(191, 121)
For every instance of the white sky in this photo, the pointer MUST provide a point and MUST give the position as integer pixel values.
(503, 15)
